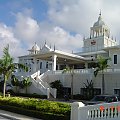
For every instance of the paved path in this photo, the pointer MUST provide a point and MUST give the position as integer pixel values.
(3, 118)
(6, 115)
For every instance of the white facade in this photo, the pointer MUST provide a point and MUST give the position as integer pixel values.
(51, 60)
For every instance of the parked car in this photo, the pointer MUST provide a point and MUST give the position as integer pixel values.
(103, 99)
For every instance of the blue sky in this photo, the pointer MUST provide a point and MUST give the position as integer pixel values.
(59, 22)
(8, 7)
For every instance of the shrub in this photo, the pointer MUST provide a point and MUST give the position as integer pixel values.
(58, 85)
(34, 95)
(43, 107)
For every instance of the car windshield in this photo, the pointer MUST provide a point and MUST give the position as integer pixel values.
(99, 98)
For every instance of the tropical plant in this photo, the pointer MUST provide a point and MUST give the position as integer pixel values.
(88, 85)
(58, 85)
(26, 83)
(7, 66)
(102, 64)
(15, 82)
(88, 89)
(71, 71)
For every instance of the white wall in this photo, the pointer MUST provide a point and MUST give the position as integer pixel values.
(113, 52)
(112, 81)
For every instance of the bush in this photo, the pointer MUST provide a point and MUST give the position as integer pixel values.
(44, 108)
(34, 95)
(58, 85)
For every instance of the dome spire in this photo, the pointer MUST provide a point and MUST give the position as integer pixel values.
(100, 17)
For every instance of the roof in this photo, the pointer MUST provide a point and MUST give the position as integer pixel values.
(61, 56)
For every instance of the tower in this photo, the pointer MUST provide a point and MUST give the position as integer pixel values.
(99, 37)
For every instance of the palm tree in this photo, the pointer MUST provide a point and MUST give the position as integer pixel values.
(15, 82)
(7, 66)
(101, 66)
(71, 71)
(26, 83)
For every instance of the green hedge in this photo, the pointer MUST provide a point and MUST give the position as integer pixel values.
(43, 109)
(34, 95)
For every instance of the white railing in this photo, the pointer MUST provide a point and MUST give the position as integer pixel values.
(38, 82)
(53, 91)
(75, 71)
(112, 70)
(106, 111)
(84, 71)
(39, 86)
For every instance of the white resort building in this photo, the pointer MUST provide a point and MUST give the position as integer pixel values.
(46, 64)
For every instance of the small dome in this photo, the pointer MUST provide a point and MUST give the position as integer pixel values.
(100, 22)
(35, 48)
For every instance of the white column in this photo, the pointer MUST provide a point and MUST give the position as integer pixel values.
(96, 33)
(86, 65)
(76, 112)
(93, 33)
(99, 33)
(54, 58)
(103, 31)
(34, 65)
(58, 67)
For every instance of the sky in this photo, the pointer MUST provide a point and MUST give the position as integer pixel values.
(62, 23)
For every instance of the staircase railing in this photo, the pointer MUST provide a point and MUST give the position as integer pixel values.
(43, 86)
(53, 91)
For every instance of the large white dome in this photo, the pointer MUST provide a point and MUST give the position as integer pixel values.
(100, 22)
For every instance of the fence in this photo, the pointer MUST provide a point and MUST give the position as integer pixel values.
(106, 111)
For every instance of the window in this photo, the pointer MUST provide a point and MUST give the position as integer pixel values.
(115, 59)
(117, 92)
(46, 64)
(40, 65)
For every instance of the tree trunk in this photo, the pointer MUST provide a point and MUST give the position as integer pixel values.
(26, 89)
(72, 87)
(4, 86)
(103, 84)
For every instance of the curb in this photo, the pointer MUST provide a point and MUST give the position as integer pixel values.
(8, 116)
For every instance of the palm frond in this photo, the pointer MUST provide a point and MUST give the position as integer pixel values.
(25, 68)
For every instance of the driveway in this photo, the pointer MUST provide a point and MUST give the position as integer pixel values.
(6, 115)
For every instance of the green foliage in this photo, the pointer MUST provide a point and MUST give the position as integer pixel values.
(88, 89)
(88, 85)
(14, 81)
(70, 70)
(41, 106)
(7, 66)
(1, 85)
(101, 66)
(34, 95)
(58, 85)
(26, 82)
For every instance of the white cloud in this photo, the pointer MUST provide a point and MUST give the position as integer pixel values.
(80, 15)
(63, 40)
(63, 18)
(28, 30)
(7, 37)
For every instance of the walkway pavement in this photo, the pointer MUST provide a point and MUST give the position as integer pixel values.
(15, 116)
